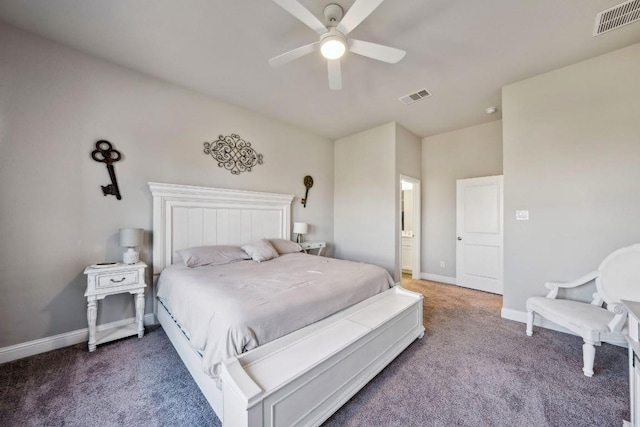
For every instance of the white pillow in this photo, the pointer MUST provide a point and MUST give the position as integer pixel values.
(212, 255)
(285, 246)
(261, 250)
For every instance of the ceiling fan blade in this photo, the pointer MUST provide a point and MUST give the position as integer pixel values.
(303, 14)
(358, 13)
(293, 54)
(376, 51)
(335, 74)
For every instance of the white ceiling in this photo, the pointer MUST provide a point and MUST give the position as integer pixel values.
(462, 51)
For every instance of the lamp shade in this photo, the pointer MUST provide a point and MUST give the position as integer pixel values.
(131, 237)
(300, 227)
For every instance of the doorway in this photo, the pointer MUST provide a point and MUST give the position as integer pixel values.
(479, 228)
(410, 219)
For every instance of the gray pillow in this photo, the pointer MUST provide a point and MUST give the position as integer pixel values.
(212, 255)
(285, 246)
(261, 250)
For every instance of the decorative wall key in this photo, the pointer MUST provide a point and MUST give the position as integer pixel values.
(105, 153)
(308, 183)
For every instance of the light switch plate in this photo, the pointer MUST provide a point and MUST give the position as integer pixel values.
(522, 215)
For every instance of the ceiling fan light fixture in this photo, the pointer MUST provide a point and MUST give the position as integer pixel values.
(333, 43)
(332, 47)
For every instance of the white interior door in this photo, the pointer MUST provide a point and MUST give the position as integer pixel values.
(479, 226)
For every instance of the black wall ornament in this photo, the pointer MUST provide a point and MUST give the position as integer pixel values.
(105, 153)
(308, 183)
(233, 153)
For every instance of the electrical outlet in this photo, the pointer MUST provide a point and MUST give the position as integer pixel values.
(442, 264)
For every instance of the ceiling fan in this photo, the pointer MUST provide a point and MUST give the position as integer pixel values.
(333, 41)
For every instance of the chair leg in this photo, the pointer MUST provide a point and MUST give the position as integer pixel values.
(588, 355)
(530, 317)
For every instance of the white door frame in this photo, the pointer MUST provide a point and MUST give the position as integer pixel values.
(417, 233)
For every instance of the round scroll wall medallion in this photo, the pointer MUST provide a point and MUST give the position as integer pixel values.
(233, 153)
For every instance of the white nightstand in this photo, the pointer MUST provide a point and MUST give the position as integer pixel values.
(633, 338)
(110, 280)
(308, 246)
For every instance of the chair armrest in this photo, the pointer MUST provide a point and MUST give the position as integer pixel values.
(597, 300)
(620, 318)
(555, 286)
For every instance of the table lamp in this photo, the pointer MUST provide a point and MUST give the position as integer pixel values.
(300, 228)
(131, 238)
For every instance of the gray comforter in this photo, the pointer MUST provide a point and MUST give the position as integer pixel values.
(228, 309)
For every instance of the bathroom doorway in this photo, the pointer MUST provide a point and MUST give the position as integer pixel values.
(410, 219)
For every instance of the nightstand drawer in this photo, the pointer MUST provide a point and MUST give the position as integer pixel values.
(313, 245)
(308, 246)
(117, 279)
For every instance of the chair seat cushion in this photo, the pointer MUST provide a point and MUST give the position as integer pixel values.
(584, 319)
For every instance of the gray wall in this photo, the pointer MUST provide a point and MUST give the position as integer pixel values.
(572, 158)
(408, 162)
(364, 196)
(55, 103)
(408, 153)
(367, 193)
(465, 153)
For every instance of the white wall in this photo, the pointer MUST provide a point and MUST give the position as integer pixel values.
(465, 153)
(364, 197)
(55, 103)
(572, 158)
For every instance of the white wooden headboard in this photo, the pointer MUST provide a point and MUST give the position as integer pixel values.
(186, 216)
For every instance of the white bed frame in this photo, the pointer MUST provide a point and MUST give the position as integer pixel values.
(301, 378)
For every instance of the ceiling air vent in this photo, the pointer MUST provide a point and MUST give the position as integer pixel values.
(614, 18)
(417, 96)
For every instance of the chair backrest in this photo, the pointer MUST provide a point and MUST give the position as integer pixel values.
(620, 275)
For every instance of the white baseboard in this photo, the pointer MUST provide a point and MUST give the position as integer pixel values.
(42, 345)
(521, 316)
(438, 278)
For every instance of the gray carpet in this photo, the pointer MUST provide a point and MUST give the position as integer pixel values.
(130, 382)
(471, 369)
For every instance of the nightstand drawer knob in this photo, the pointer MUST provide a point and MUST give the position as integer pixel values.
(118, 281)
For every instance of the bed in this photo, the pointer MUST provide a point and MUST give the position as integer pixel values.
(299, 378)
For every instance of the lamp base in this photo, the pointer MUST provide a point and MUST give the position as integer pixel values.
(131, 256)
(299, 238)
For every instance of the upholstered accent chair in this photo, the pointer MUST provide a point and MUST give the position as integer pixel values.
(605, 318)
